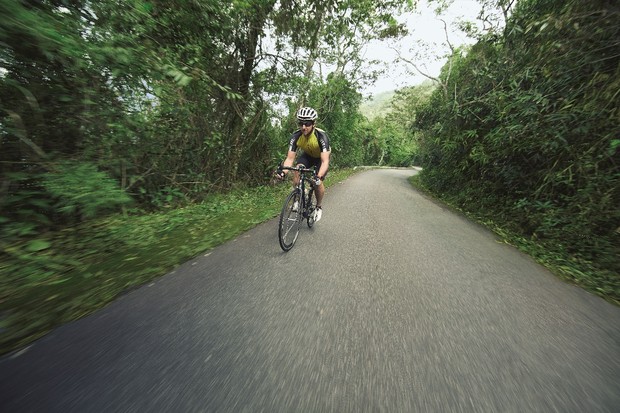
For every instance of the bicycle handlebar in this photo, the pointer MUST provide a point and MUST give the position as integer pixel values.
(298, 169)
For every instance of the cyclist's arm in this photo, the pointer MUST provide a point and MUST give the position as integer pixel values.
(326, 150)
(290, 158)
(292, 150)
(324, 164)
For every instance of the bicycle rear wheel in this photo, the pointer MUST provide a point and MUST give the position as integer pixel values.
(290, 218)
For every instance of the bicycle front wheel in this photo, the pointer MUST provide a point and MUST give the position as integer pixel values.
(290, 218)
(310, 208)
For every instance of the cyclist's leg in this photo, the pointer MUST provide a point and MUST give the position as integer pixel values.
(318, 211)
(319, 190)
(295, 178)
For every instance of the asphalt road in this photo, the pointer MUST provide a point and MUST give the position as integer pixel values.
(391, 303)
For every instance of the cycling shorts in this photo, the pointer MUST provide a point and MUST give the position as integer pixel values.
(308, 161)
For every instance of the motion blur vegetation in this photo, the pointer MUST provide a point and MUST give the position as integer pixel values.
(527, 136)
(126, 126)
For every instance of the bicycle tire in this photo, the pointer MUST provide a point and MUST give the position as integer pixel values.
(310, 207)
(288, 226)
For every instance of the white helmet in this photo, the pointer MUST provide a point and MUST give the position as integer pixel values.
(306, 114)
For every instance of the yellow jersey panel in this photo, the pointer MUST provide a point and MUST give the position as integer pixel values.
(313, 144)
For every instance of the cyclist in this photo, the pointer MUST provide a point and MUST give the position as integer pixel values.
(316, 151)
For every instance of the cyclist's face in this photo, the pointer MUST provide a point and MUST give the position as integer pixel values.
(306, 127)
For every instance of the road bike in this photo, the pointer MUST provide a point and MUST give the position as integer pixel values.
(299, 205)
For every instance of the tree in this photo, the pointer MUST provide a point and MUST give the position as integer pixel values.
(529, 137)
(167, 98)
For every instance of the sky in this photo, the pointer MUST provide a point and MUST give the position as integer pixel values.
(423, 25)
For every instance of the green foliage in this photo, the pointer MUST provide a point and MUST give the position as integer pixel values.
(338, 104)
(377, 106)
(24, 207)
(527, 134)
(390, 139)
(81, 188)
(69, 273)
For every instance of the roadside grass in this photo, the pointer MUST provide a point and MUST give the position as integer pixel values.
(601, 282)
(79, 270)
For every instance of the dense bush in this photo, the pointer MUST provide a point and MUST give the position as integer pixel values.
(529, 134)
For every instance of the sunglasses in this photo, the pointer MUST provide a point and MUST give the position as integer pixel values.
(305, 123)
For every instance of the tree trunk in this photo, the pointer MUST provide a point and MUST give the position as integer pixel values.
(239, 107)
(315, 29)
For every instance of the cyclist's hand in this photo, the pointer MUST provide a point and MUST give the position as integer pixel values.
(317, 181)
(279, 174)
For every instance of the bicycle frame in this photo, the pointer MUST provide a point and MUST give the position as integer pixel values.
(304, 180)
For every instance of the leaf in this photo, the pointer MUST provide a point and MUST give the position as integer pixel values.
(38, 245)
(184, 80)
(55, 282)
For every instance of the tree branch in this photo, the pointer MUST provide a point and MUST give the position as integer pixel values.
(20, 132)
(445, 30)
(420, 71)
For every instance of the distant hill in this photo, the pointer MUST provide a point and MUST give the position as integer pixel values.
(378, 105)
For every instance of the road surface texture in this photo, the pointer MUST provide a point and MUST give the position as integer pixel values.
(391, 303)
